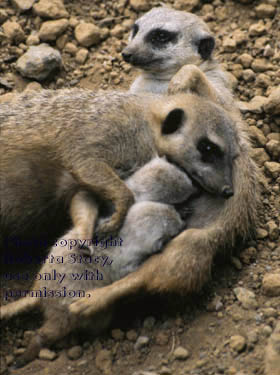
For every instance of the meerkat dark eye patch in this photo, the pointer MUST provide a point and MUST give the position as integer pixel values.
(134, 30)
(159, 38)
(209, 151)
(206, 46)
(173, 121)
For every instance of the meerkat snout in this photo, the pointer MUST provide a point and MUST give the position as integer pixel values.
(126, 56)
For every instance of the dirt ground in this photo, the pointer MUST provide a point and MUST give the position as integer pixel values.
(217, 331)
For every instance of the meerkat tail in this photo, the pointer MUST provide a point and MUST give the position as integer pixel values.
(18, 307)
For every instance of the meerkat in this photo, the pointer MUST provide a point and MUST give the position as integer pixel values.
(211, 147)
(150, 223)
(214, 225)
(162, 41)
(79, 141)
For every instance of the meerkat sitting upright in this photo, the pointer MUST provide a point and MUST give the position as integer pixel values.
(164, 40)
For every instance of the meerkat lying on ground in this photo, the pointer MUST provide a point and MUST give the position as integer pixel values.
(205, 135)
(150, 223)
(164, 40)
(215, 224)
(78, 140)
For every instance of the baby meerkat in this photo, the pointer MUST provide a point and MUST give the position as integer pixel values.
(164, 40)
(149, 224)
(57, 143)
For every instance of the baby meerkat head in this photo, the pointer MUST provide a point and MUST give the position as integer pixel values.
(163, 40)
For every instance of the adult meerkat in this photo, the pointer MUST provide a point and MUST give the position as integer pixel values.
(150, 223)
(211, 148)
(78, 140)
(214, 224)
(164, 40)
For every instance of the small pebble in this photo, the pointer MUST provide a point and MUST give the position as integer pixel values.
(181, 353)
(75, 352)
(237, 343)
(47, 355)
(141, 342)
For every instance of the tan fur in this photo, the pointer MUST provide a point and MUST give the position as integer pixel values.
(215, 224)
(98, 140)
(179, 147)
(17, 307)
(156, 182)
(55, 159)
(78, 151)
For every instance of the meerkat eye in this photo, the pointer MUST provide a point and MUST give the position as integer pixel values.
(159, 37)
(134, 30)
(173, 121)
(209, 151)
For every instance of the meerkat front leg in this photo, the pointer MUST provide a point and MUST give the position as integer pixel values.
(191, 79)
(102, 181)
(186, 254)
(84, 214)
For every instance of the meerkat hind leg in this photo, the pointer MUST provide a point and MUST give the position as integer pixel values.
(55, 328)
(59, 323)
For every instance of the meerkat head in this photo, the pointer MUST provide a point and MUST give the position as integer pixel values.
(160, 181)
(163, 40)
(199, 137)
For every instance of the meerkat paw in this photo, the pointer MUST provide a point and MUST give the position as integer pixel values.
(85, 246)
(114, 223)
(79, 241)
(89, 250)
(93, 304)
(110, 226)
(30, 353)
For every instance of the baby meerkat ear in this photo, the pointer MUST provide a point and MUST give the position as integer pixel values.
(206, 45)
(173, 121)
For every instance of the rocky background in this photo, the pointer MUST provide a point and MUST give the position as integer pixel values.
(227, 328)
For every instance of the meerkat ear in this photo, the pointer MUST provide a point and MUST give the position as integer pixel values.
(206, 45)
(173, 121)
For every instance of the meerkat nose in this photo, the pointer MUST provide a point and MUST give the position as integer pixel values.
(126, 56)
(227, 192)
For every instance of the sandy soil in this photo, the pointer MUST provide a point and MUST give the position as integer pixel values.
(210, 333)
